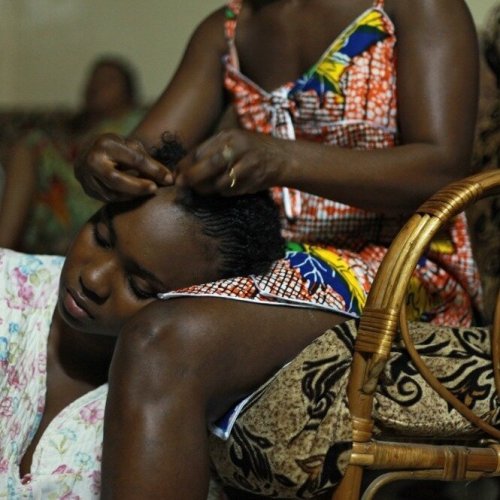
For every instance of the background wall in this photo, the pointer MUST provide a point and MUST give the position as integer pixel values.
(47, 45)
(480, 8)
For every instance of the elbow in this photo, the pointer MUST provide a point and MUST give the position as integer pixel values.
(435, 169)
(455, 165)
(448, 165)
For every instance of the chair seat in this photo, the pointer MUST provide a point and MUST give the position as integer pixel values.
(294, 440)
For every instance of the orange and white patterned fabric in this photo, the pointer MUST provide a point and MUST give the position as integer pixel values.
(348, 98)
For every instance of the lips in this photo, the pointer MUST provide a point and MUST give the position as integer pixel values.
(75, 306)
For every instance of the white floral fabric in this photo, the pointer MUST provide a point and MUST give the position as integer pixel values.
(67, 460)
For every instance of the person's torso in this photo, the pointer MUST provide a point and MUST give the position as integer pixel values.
(345, 96)
(60, 206)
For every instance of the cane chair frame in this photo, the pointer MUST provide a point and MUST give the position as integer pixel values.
(382, 318)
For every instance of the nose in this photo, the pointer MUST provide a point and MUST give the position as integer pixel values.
(97, 277)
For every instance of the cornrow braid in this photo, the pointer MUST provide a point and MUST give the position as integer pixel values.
(246, 228)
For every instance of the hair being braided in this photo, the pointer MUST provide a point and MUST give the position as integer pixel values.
(247, 227)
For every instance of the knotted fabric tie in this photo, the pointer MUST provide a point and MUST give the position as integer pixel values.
(278, 107)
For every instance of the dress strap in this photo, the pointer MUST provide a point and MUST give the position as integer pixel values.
(233, 8)
(378, 4)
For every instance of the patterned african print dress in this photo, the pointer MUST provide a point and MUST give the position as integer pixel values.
(347, 99)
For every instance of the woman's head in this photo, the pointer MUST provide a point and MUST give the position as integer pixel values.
(131, 251)
(111, 87)
(246, 228)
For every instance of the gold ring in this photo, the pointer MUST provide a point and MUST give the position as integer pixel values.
(232, 176)
(228, 154)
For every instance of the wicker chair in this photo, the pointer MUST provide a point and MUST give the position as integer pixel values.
(382, 319)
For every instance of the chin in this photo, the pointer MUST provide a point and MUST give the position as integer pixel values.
(91, 326)
(71, 321)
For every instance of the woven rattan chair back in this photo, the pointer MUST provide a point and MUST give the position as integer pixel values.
(382, 319)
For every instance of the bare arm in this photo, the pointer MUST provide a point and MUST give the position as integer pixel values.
(179, 364)
(194, 99)
(189, 107)
(19, 189)
(437, 99)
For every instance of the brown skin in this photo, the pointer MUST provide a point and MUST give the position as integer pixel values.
(104, 283)
(180, 363)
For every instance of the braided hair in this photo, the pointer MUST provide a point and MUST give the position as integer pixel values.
(246, 227)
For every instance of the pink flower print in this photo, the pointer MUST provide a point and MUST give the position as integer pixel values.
(92, 413)
(70, 496)
(20, 276)
(26, 293)
(40, 404)
(63, 469)
(42, 363)
(15, 430)
(96, 482)
(4, 466)
(25, 290)
(15, 379)
(6, 407)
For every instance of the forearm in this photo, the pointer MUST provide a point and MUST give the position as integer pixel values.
(390, 180)
(155, 432)
(184, 119)
(157, 438)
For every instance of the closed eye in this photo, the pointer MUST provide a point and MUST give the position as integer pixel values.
(138, 291)
(99, 237)
(102, 229)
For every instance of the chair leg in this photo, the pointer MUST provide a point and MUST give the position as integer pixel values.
(350, 486)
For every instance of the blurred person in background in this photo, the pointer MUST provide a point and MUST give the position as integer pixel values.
(43, 206)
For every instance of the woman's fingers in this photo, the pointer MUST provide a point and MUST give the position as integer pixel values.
(201, 168)
(114, 168)
(233, 162)
(146, 166)
(207, 169)
(240, 178)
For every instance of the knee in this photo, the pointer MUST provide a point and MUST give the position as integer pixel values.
(162, 350)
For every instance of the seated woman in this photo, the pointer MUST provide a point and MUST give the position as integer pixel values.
(43, 207)
(60, 318)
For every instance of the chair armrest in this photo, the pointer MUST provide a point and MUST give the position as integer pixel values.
(380, 319)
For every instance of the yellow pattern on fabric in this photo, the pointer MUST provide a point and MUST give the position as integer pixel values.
(419, 300)
(334, 63)
(336, 262)
(444, 246)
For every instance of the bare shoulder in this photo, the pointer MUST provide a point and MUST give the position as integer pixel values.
(416, 12)
(210, 32)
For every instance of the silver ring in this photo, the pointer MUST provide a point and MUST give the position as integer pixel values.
(232, 176)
